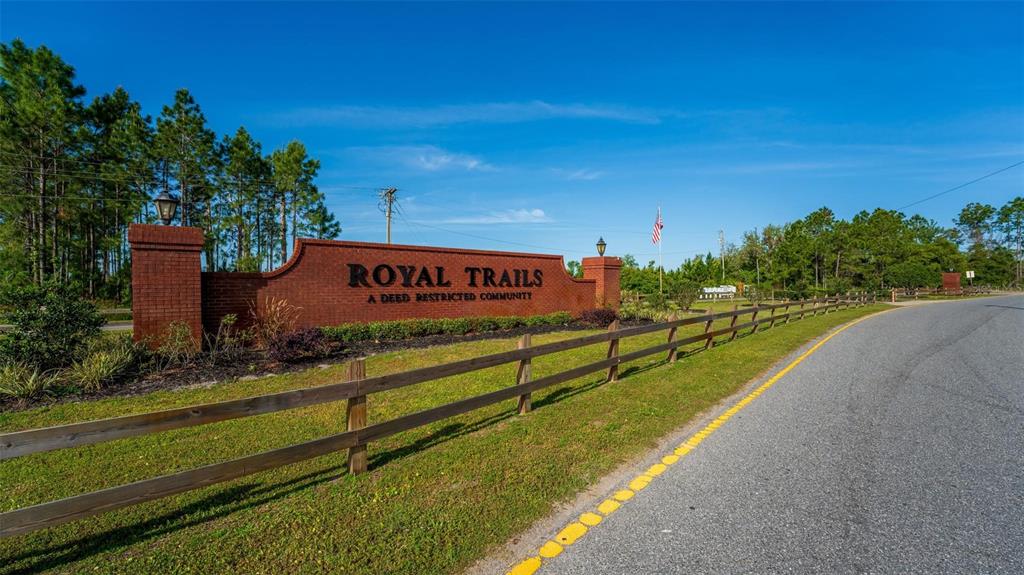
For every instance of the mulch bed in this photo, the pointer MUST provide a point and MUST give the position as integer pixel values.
(254, 364)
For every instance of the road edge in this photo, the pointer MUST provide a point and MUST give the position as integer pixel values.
(510, 557)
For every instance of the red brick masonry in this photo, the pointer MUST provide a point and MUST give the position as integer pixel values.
(166, 284)
(336, 282)
(951, 282)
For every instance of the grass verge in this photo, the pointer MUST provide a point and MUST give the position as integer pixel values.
(436, 498)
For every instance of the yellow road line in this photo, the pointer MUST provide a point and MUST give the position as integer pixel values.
(572, 532)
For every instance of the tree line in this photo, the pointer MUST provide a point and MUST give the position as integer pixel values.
(74, 174)
(822, 254)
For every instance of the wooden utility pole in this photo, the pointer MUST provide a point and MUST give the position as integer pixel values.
(388, 198)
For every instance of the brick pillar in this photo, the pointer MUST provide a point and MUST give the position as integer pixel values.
(951, 282)
(605, 270)
(166, 279)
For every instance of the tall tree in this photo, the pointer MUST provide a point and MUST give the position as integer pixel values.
(40, 115)
(294, 190)
(1011, 222)
(187, 154)
(975, 220)
(244, 171)
(123, 170)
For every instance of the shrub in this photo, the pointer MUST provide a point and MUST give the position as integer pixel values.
(656, 301)
(484, 324)
(24, 382)
(598, 317)
(508, 322)
(456, 326)
(405, 329)
(535, 321)
(556, 318)
(559, 318)
(308, 343)
(272, 317)
(51, 326)
(228, 343)
(177, 348)
(100, 368)
(388, 330)
(685, 293)
(347, 333)
(641, 312)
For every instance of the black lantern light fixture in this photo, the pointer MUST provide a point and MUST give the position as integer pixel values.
(600, 246)
(166, 207)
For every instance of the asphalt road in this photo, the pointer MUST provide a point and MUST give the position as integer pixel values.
(897, 447)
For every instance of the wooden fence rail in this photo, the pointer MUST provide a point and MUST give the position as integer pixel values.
(355, 390)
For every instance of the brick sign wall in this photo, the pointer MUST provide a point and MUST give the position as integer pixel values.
(339, 282)
(951, 282)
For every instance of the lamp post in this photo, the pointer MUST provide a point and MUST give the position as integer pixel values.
(166, 207)
(600, 246)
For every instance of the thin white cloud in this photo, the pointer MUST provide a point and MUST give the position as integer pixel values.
(772, 167)
(585, 174)
(452, 114)
(534, 216)
(424, 158)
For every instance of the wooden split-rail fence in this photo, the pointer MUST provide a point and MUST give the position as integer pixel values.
(354, 390)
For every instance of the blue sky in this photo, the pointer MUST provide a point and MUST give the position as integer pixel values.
(545, 126)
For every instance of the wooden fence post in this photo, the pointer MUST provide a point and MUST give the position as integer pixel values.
(672, 352)
(802, 312)
(753, 318)
(523, 375)
(356, 415)
(771, 322)
(732, 324)
(707, 329)
(613, 351)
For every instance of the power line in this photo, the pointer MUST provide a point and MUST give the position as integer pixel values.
(964, 185)
(82, 198)
(141, 180)
(546, 248)
(76, 172)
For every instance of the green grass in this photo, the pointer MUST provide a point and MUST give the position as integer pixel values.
(435, 499)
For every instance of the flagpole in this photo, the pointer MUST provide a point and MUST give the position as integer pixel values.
(661, 259)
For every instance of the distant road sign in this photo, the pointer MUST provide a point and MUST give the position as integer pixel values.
(970, 274)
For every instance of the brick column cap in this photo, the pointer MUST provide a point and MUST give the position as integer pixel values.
(602, 262)
(152, 236)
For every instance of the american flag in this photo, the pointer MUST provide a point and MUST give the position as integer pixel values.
(656, 234)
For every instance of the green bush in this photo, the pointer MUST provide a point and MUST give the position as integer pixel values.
(227, 343)
(456, 326)
(535, 321)
(51, 326)
(486, 324)
(410, 328)
(685, 293)
(178, 348)
(656, 301)
(25, 382)
(100, 368)
(388, 330)
(348, 332)
(508, 322)
(645, 312)
(559, 318)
